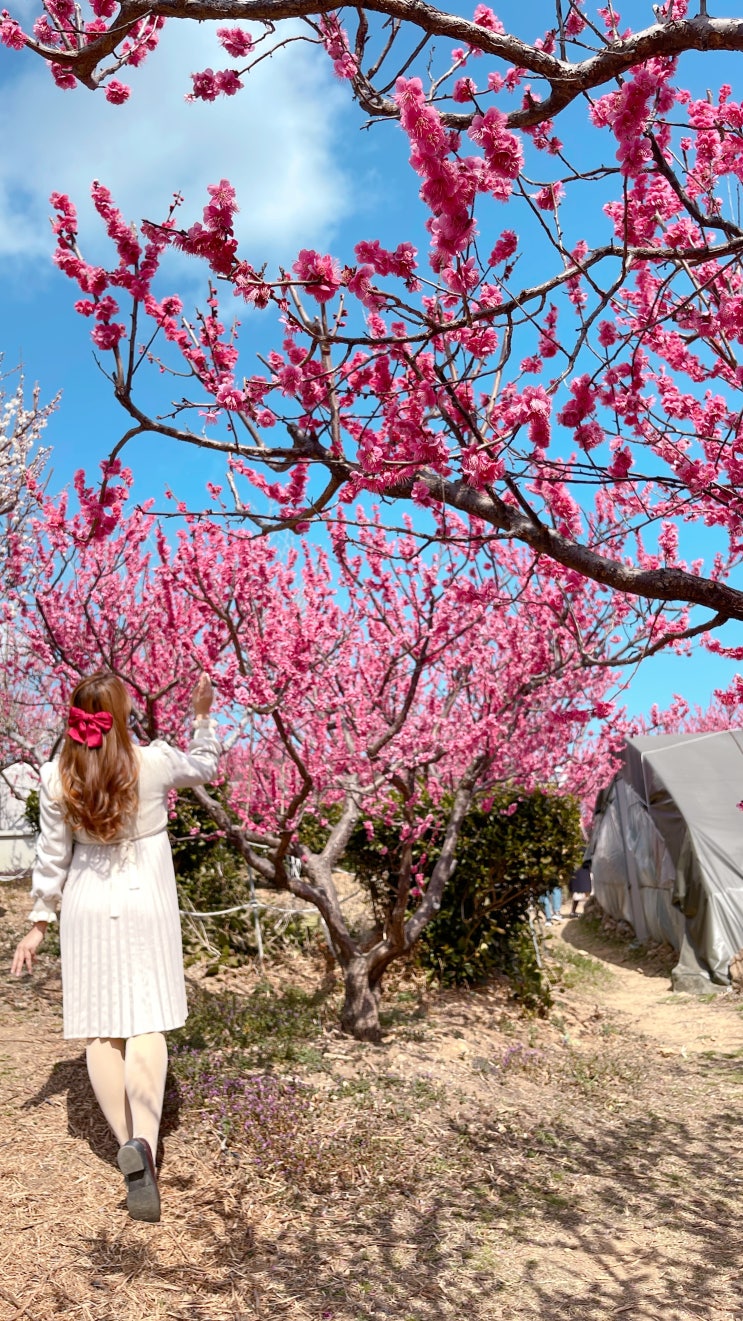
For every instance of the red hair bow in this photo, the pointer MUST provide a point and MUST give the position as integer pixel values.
(89, 727)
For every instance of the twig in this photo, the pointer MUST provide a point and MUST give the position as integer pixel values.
(11, 1298)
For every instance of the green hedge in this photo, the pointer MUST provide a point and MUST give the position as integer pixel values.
(511, 849)
(210, 875)
(32, 810)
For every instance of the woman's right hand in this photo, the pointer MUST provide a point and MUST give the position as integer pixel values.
(23, 959)
(203, 696)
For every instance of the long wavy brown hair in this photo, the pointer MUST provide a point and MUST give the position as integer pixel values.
(100, 785)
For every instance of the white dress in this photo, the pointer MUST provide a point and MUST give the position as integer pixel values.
(120, 932)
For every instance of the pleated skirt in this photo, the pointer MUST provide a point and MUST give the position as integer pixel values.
(120, 937)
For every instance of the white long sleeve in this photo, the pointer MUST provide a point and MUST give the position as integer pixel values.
(183, 770)
(53, 851)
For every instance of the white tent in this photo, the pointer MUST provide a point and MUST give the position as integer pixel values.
(17, 839)
(667, 849)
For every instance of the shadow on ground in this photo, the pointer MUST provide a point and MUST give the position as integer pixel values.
(607, 1212)
(584, 934)
(84, 1119)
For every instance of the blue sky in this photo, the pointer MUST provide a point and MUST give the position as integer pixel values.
(305, 175)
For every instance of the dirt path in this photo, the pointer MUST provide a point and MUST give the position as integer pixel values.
(639, 995)
(478, 1164)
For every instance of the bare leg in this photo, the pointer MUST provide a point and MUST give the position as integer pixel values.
(105, 1060)
(145, 1067)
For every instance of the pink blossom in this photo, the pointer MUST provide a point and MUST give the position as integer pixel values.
(601, 710)
(548, 342)
(504, 248)
(464, 90)
(463, 278)
(230, 397)
(45, 33)
(105, 308)
(532, 364)
(346, 66)
(360, 284)
(63, 76)
(668, 541)
(574, 23)
(107, 336)
(205, 86)
(11, 32)
(235, 41)
(420, 121)
(117, 93)
(67, 215)
(320, 274)
(220, 212)
(582, 403)
(485, 18)
(621, 464)
(589, 435)
(502, 150)
(421, 495)
(228, 82)
(549, 197)
(335, 41)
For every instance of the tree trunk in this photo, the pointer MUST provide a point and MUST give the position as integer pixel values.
(360, 1013)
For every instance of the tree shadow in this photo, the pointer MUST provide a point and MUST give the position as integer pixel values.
(584, 935)
(657, 1170)
(636, 1216)
(84, 1118)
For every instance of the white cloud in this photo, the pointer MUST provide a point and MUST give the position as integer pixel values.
(274, 141)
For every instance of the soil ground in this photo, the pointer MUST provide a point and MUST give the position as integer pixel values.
(479, 1163)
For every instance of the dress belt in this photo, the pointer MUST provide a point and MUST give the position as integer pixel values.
(126, 858)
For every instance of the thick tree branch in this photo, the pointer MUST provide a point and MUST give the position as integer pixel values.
(566, 80)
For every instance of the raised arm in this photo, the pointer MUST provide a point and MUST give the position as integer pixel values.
(199, 764)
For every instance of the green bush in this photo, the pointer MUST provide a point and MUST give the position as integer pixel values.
(32, 810)
(210, 875)
(508, 854)
(512, 848)
(314, 828)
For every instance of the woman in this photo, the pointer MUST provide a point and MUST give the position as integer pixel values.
(581, 885)
(103, 850)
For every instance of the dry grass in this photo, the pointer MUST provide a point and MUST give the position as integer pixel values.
(478, 1163)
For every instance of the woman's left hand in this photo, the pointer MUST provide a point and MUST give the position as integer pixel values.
(25, 953)
(203, 696)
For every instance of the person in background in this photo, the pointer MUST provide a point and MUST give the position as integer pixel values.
(103, 853)
(581, 885)
(551, 904)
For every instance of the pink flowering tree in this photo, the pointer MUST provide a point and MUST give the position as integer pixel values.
(565, 371)
(365, 678)
(22, 457)
(680, 717)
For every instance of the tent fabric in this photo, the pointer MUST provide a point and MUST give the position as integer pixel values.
(17, 839)
(668, 849)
